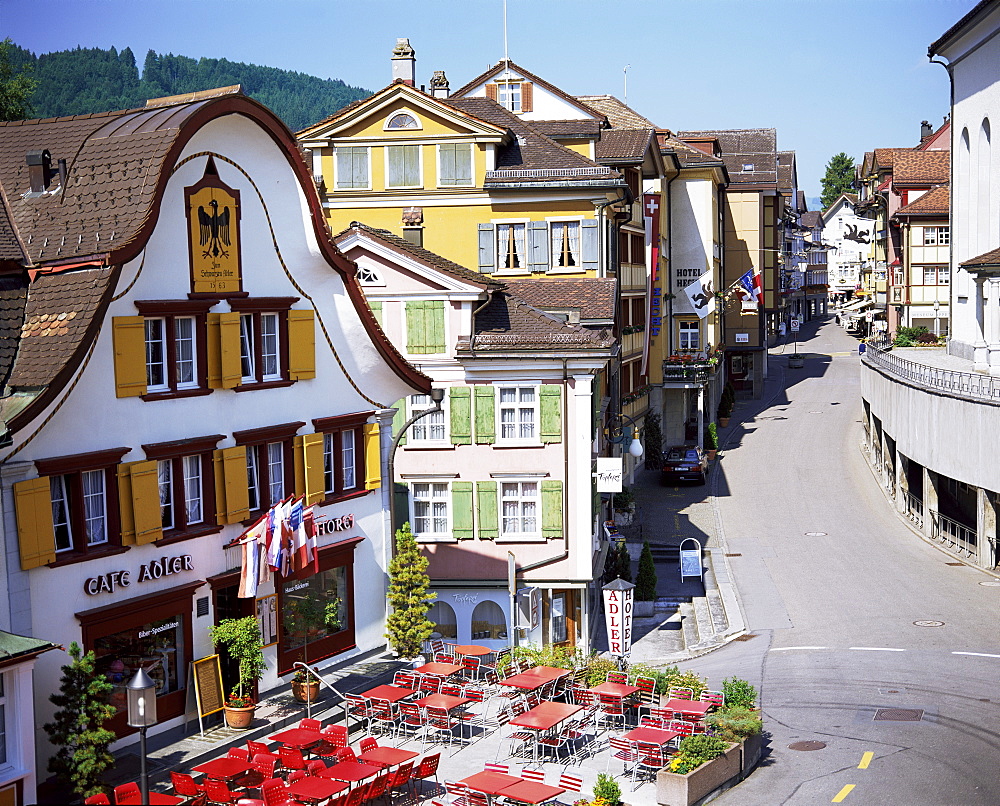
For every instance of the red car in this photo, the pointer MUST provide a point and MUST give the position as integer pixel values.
(684, 463)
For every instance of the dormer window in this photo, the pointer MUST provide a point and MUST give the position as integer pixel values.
(402, 121)
(748, 167)
(513, 95)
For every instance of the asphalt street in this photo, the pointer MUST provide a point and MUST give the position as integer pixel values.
(834, 587)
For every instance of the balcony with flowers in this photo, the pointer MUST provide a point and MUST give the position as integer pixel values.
(691, 368)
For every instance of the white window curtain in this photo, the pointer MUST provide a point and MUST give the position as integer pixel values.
(93, 507)
(565, 247)
(510, 245)
(165, 479)
(192, 489)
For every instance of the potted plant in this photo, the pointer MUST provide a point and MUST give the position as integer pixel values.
(407, 627)
(645, 584)
(725, 408)
(796, 361)
(711, 440)
(305, 685)
(241, 639)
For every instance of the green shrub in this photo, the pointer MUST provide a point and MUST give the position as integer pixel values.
(652, 441)
(624, 500)
(607, 789)
(597, 669)
(711, 437)
(738, 693)
(735, 723)
(668, 678)
(645, 579)
(695, 751)
(559, 656)
(909, 336)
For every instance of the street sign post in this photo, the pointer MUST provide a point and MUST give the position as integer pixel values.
(795, 325)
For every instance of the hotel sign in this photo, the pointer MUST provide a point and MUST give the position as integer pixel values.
(618, 616)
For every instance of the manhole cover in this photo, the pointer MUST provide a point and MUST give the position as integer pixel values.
(745, 637)
(928, 623)
(898, 714)
(815, 534)
(991, 583)
(808, 745)
(737, 554)
(956, 564)
(885, 691)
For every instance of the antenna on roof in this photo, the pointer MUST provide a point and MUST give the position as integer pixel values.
(506, 57)
(625, 87)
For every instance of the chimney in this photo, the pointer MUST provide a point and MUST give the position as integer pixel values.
(439, 84)
(404, 62)
(925, 130)
(39, 170)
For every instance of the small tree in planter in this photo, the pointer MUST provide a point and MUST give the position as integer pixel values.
(652, 437)
(623, 562)
(738, 693)
(242, 640)
(408, 626)
(645, 583)
(711, 440)
(78, 728)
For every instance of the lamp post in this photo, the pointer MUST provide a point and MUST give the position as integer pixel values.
(142, 714)
(937, 320)
(617, 434)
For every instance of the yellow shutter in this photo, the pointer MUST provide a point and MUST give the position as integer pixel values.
(129, 337)
(36, 536)
(146, 501)
(301, 345)
(373, 457)
(232, 496)
(309, 468)
(224, 367)
(126, 514)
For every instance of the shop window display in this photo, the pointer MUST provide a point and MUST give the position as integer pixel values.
(157, 647)
(488, 622)
(313, 609)
(443, 617)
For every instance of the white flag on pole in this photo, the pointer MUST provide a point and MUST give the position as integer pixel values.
(701, 293)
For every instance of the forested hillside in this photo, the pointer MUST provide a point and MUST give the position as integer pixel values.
(76, 82)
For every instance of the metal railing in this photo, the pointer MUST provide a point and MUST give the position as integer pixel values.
(315, 673)
(914, 508)
(532, 173)
(689, 372)
(971, 385)
(955, 535)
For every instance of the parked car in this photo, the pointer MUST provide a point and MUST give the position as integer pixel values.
(684, 463)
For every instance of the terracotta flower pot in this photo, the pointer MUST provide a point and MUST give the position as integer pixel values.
(724, 422)
(239, 718)
(305, 692)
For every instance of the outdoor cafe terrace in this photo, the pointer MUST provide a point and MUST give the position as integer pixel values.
(455, 730)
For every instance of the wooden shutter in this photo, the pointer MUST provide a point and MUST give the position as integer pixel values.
(538, 246)
(224, 367)
(126, 510)
(486, 509)
(551, 413)
(128, 335)
(589, 244)
(376, 306)
(309, 479)
(434, 318)
(491, 91)
(373, 457)
(401, 506)
(526, 96)
(399, 420)
(461, 510)
(146, 501)
(485, 415)
(301, 344)
(35, 533)
(416, 328)
(487, 249)
(552, 508)
(460, 407)
(232, 495)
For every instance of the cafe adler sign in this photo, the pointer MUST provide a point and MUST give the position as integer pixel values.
(618, 616)
(155, 569)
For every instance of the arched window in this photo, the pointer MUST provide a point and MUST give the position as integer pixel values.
(401, 120)
(962, 225)
(488, 622)
(442, 615)
(983, 173)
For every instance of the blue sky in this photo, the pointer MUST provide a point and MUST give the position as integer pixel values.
(829, 75)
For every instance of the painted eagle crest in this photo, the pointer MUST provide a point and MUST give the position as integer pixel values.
(854, 235)
(214, 230)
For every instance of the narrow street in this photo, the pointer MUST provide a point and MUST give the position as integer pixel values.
(849, 611)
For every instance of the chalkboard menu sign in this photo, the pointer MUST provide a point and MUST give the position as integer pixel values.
(208, 685)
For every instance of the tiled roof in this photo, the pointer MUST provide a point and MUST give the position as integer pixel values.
(786, 169)
(933, 202)
(811, 218)
(886, 157)
(509, 323)
(11, 248)
(988, 259)
(13, 295)
(421, 255)
(60, 310)
(593, 297)
(541, 82)
(568, 128)
(743, 147)
(625, 146)
(921, 167)
(976, 10)
(618, 114)
(688, 154)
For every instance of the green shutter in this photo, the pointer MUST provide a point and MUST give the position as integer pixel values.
(425, 327)
(487, 249)
(401, 505)
(551, 407)
(376, 307)
(461, 509)
(485, 416)
(416, 336)
(589, 244)
(398, 419)
(434, 325)
(486, 509)
(552, 508)
(460, 405)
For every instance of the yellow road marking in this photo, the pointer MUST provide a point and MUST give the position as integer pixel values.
(866, 759)
(843, 793)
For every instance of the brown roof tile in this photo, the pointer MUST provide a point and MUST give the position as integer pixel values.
(686, 153)
(13, 296)
(568, 128)
(626, 146)
(509, 323)
(921, 168)
(811, 218)
(593, 297)
(988, 259)
(618, 114)
(745, 147)
(932, 203)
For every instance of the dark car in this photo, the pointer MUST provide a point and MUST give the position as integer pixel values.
(684, 463)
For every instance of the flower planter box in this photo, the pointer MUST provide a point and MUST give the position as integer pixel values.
(673, 789)
(750, 750)
(796, 362)
(644, 609)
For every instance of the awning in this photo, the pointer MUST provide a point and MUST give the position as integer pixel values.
(857, 305)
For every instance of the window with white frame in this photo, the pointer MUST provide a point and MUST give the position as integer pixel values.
(429, 428)
(937, 236)
(564, 238)
(260, 347)
(83, 502)
(519, 506)
(455, 164)
(933, 274)
(3, 720)
(430, 501)
(517, 413)
(511, 246)
(509, 95)
(267, 474)
(689, 335)
(402, 166)
(170, 353)
(181, 492)
(340, 466)
(402, 120)
(352, 167)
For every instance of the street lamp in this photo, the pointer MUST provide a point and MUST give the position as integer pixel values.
(141, 692)
(937, 320)
(617, 434)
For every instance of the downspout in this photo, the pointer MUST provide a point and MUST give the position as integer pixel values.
(472, 337)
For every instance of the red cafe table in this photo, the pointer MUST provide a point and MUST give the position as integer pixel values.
(386, 756)
(225, 768)
(692, 709)
(439, 669)
(389, 692)
(489, 782)
(312, 788)
(531, 792)
(619, 690)
(473, 650)
(349, 771)
(546, 715)
(298, 737)
(446, 701)
(651, 735)
(525, 681)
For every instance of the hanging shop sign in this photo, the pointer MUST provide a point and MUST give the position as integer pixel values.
(609, 474)
(618, 616)
(162, 567)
